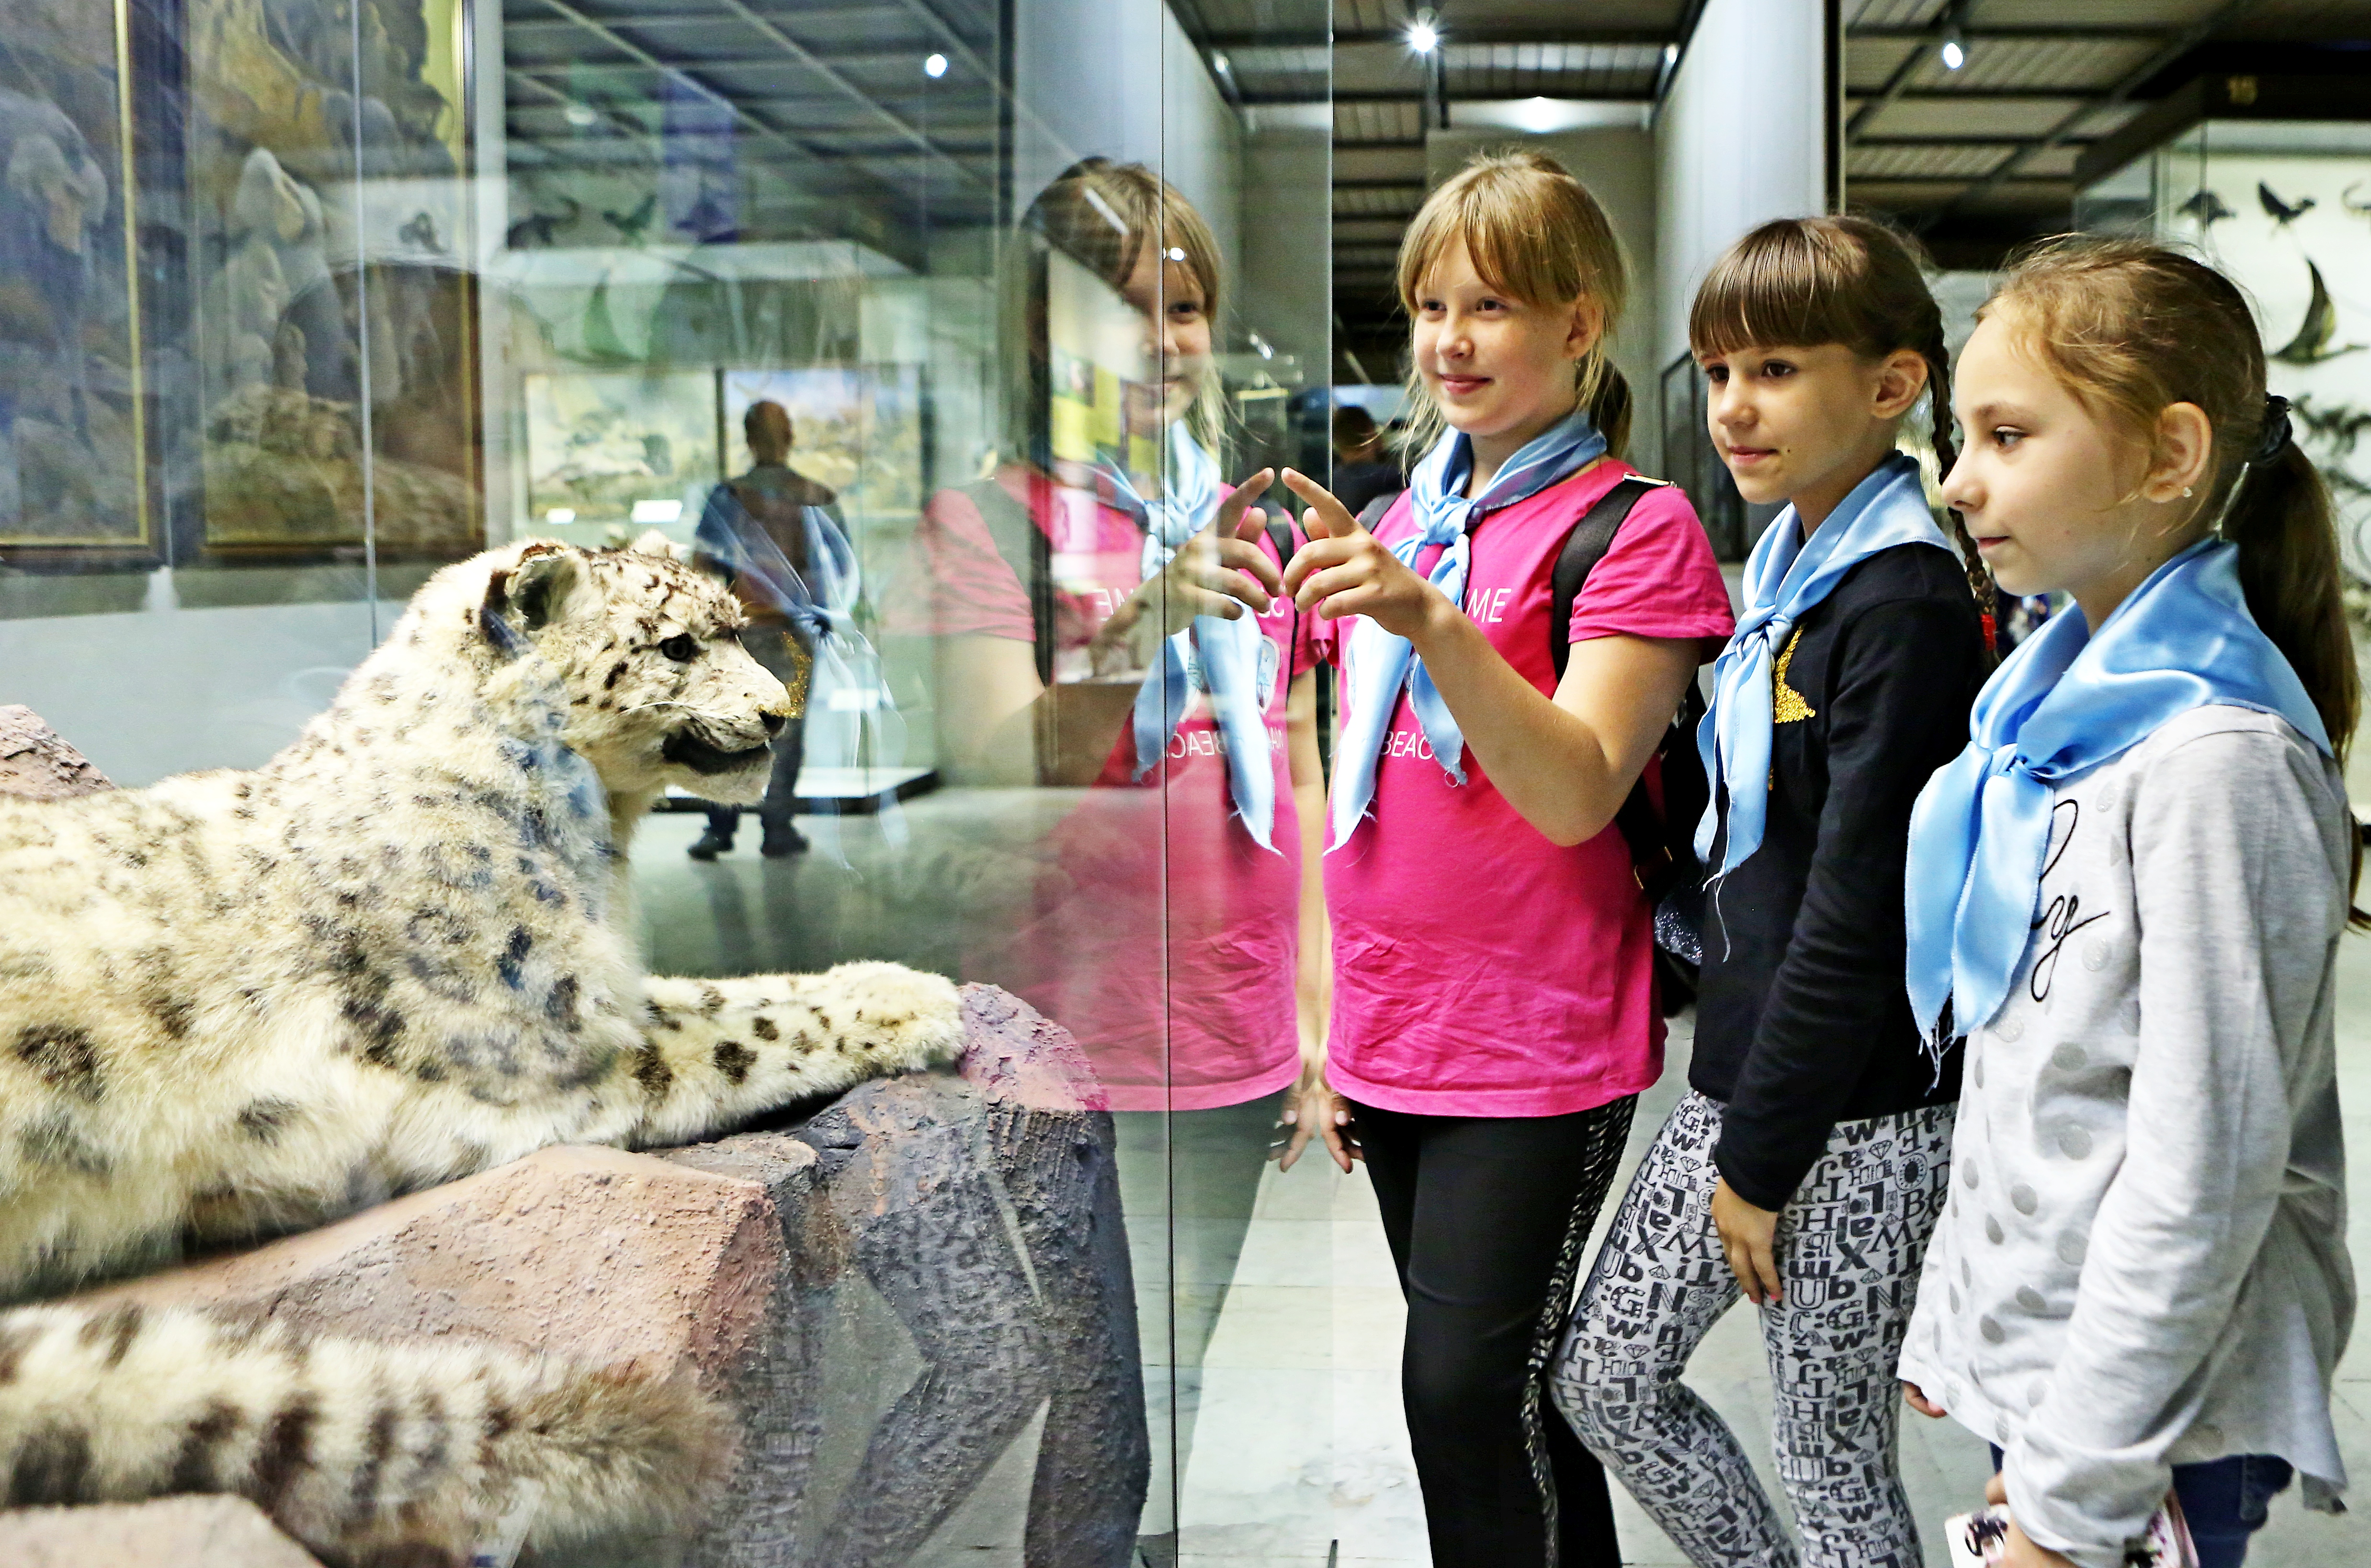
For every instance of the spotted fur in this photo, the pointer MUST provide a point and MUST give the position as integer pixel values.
(398, 953)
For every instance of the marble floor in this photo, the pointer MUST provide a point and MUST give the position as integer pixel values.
(1270, 1320)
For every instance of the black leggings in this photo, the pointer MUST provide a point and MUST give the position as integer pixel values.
(1487, 1217)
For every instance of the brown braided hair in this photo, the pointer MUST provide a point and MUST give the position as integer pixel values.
(1846, 280)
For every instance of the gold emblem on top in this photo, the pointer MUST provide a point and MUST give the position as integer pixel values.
(1787, 704)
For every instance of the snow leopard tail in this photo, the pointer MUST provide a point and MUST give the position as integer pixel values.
(367, 1453)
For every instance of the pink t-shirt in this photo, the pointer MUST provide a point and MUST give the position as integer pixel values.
(1478, 969)
(1157, 930)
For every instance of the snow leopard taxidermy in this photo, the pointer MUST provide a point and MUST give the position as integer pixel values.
(400, 953)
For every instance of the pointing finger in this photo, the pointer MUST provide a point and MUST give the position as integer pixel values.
(1327, 518)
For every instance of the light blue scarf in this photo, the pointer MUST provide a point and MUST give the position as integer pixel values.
(1784, 576)
(1380, 663)
(2063, 703)
(1226, 653)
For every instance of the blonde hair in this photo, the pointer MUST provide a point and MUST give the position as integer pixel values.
(2131, 328)
(1537, 236)
(1805, 282)
(1101, 214)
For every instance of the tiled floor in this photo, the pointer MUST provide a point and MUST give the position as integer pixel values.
(1271, 1321)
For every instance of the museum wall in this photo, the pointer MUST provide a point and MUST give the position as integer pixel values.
(1740, 137)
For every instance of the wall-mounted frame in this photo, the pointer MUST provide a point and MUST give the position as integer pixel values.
(334, 305)
(75, 475)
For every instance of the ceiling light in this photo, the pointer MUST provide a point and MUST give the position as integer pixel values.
(1176, 254)
(578, 115)
(1423, 37)
(1955, 53)
(1218, 62)
(935, 66)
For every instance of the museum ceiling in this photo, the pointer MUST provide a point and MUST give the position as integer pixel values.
(1975, 157)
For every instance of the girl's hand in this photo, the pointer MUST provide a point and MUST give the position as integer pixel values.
(1747, 1239)
(1918, 1400)
(1218, 572)
(1312, 1107)
(2018, 1549)
(1344, 570)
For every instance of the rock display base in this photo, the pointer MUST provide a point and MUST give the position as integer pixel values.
(173, 1532)
(36, 760)
(895, 1292)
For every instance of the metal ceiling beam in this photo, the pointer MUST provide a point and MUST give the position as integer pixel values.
(1452, 35)
(1417, 96)
(2133, 81)
(2076, 33)
(600, 29)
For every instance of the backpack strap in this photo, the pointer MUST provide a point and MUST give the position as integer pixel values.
(1372, 512)
(1583, 549)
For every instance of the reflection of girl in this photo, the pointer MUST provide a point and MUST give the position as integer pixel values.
(1493, 1006)
(1848, 684)
(2127, 893)
(1096, 622)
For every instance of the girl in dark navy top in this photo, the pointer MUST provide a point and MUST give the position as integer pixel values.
(1807, 1167)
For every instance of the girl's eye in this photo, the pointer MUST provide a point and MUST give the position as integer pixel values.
(1777, 369)
(680, 648)
(1716, 374)
(2006, 437)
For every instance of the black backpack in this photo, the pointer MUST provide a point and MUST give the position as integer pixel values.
(1663, 843)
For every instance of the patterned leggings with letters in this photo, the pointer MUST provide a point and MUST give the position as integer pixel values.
(1848, 1248)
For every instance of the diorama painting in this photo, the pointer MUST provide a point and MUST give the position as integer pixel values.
(2295, 230)
(856, 429)
(72, 443)
(607, 452)
(335, 330)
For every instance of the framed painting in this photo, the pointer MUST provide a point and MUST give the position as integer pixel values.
(73, 441)
(334, 332)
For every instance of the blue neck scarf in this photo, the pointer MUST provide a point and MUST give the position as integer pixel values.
(1225, 653)
(1378, 663)
(2063, 703)
(1784, 576)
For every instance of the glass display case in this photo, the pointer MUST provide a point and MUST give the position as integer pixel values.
(2280, 205)
(301, 300)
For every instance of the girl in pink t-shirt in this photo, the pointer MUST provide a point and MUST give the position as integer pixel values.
(1494, 1013)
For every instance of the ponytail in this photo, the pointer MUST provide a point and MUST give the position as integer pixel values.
(1605, 398)
(2281, 519)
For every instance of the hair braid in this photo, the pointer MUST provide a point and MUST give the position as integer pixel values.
(1938, 396)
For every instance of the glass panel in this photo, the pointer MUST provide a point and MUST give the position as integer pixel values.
(938, 328)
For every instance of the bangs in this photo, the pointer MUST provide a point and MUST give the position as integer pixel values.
(1789, 283)
(1533, 234)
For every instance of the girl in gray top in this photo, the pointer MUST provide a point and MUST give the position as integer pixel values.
(2127, 894)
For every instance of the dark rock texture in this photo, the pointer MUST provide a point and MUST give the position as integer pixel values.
(955, 1267)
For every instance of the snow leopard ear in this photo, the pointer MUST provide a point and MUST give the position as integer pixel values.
(543, 585)
(537, 593)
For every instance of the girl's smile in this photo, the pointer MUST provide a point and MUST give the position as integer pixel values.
(1502, 370)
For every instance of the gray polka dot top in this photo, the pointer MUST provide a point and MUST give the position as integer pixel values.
(2141, 1261)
